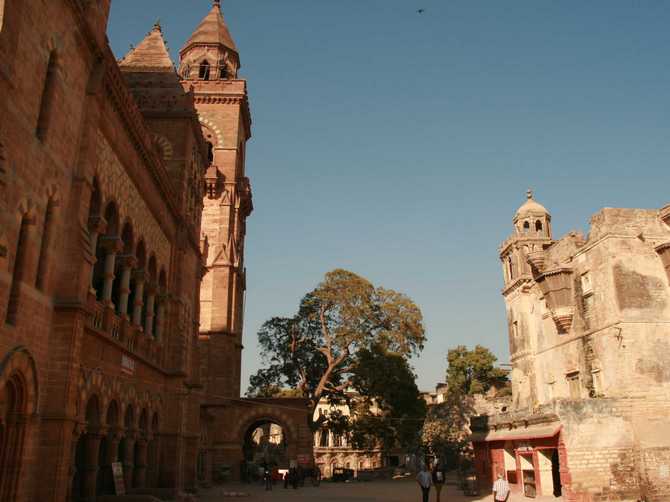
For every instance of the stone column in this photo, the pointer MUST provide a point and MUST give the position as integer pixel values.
(113, 245)
(149, 318)
(96, 226)
(129, 262)
(91, 468)
(139, 294)
(128, 461)
(141, 463)
(77, 431)
(160, 318)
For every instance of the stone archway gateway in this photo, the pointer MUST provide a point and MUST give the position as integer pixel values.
(231, 439)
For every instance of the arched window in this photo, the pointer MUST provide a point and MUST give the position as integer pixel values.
(46, 102)
(11, 437)
(210, 152)
(223, 70)
(538, 226)
(20, 258)
(43, 264)
(203, 73)
(526, 227)
(510, 267)
(323, 439)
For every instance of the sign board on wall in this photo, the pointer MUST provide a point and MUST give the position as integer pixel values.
(127, 364)
(119, 483)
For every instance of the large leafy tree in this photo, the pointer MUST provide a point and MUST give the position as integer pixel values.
(389, 410)
(315, 351)
(469, 372)
(472, 371)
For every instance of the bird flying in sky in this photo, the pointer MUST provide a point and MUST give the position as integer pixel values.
(421, 11)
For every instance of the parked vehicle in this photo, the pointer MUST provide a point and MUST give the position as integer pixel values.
(342, 474)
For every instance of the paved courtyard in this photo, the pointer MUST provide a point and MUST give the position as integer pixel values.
(387, 491)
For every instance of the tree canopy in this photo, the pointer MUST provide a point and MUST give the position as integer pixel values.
(446, 429)
(315, 351)
(390, 411)
(472, 371)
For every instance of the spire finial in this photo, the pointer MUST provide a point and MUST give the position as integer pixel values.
(217, 3)
(529, 193)
(157, 25)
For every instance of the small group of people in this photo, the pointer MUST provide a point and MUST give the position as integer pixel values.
(436, 478)
(293, 477)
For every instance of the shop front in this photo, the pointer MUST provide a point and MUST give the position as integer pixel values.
(529, 457)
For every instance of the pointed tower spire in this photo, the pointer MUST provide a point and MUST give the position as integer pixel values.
(151, 54)
(212, 30)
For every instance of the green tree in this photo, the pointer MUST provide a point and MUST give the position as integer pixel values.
(315, 350)
(390, 410)
(446, 429)
(472, 371)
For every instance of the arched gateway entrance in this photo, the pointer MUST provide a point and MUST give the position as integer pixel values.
(272, 431)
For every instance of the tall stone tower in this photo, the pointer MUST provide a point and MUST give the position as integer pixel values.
(209, 64)
(522, 255)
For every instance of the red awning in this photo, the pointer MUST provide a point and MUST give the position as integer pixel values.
(517, 433)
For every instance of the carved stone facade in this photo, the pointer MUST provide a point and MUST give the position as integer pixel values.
(101, 196)
(589, 321)
(122, 184)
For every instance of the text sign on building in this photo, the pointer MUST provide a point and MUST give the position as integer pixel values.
(119, 484)
(127, 365)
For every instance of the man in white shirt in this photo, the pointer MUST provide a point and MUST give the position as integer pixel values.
(500, 489)
(425, 480)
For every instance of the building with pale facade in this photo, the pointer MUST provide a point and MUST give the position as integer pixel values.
(589, 324)
(333, 450)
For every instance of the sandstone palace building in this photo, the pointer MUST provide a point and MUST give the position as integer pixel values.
(589, 337)
(122, 191)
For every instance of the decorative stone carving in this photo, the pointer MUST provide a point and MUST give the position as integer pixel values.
(556, 286)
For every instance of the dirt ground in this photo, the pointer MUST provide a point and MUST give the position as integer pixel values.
(387, 491)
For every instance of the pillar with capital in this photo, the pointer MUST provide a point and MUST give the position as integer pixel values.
(141, 463)
(128, 460)
(139, 298)
(90, 474)
(113, 246)
(129, 262)
(149, 317)
(96, 226)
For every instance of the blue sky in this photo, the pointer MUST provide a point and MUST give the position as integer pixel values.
(398, 145)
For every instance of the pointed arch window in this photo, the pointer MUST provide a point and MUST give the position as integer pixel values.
(538, 226)
(42, 264)
(526, 227)
(203, 72)
(223, 70)
(48, 94)
(20, 259)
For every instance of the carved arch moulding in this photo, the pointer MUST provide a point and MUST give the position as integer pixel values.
(215, 130)
(116, 186)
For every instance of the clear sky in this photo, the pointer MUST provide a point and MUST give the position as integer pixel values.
(398, 145)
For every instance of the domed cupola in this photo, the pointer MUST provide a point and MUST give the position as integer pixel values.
(532, 219)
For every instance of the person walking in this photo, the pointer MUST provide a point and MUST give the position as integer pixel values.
(425, 480)
(438, 480)
(501, 489)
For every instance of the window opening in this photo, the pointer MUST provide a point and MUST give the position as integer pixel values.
(538, 226)
(204, 71)
(18, 272)
(44, 248)
(574, 386)
(526, 227)
(47, 99)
